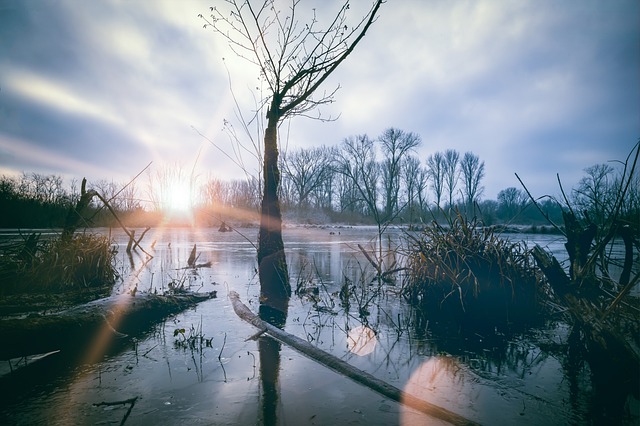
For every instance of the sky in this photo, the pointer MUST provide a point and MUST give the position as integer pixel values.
(100, 88)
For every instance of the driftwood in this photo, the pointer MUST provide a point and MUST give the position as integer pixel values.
(75, 328)
(344, 368)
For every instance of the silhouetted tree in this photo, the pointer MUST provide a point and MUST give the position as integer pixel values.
(472, 173)
(356, 161)
(395, 144)
(436, 166)
(451, 172)
(415, 180)
(595, 193)
(306, 169)
(293, 60)
(510, 202)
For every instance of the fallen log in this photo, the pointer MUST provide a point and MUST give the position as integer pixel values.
(77, 327)
(342, 367)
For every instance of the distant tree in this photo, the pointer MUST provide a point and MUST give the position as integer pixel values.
(33, 200)
(422, 183)
(348, 200)
(47, 189)
(415, 182)
(108, 189)
(595, 193)
(472, 173)
(510, 202)
(436, 166)
(356, 161)
(307, 169)
(488, 211)
(293, 60)
(214, 194)
(396, 144)
(323, 194)
(451, 172)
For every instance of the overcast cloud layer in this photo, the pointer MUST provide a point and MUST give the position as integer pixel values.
(101, 88)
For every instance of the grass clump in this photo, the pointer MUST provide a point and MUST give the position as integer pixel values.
(466, 274)
(55, 265)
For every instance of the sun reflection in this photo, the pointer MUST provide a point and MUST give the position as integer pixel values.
(361, 340)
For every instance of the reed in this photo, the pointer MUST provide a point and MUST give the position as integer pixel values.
(39, 265)
(465, 273)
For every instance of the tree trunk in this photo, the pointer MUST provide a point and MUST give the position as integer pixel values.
(74, 214)
(272, 263)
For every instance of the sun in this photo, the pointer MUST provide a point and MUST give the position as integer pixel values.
(179, 198)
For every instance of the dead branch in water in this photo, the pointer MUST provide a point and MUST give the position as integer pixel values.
(131, 401)
(342, 367)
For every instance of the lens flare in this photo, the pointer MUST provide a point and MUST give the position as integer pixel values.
(361, 340)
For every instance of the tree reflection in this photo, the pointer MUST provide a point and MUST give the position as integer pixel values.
(273, 309)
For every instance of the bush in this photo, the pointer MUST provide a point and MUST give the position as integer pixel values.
(464, 273)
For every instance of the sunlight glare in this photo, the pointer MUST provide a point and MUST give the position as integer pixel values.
(179, 198)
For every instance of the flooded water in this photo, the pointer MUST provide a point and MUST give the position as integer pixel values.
(159, 378)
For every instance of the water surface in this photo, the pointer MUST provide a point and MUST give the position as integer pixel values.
(528, 378)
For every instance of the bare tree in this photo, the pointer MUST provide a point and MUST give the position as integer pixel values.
(594, 194)
(108, 189)
(323, 194)
(396, 144)
(451, 172)
(472, 173)
(356, 160)
(46, 189)
(214, 193)
(510, 202)
(436, 166)
(415, 180)
(306, 169)
(293, 60)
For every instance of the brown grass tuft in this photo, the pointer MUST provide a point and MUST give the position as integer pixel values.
(465, 273)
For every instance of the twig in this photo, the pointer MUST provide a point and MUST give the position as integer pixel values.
(535, 203)
(131, 401)
(106, 203)
(375, 265)
(222, 348)
(152, 348)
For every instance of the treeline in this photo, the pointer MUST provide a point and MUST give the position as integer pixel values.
(362, 180)
(34, 200)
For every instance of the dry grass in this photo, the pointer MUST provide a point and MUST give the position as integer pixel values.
(38, 265)
(465, 273)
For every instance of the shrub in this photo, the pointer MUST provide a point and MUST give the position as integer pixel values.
(464, 273)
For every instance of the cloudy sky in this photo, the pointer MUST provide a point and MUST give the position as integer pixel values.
(100, 88)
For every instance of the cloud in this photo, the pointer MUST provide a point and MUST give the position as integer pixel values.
(55, 95)
(531, 87)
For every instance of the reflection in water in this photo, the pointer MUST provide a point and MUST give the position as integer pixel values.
(273, 312)
(269, 371)
(361, 340)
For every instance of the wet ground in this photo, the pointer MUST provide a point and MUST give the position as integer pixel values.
(211, 374)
